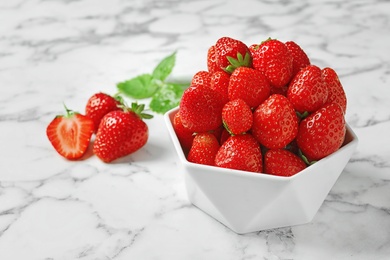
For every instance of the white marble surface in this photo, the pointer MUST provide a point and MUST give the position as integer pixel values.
(137, 208)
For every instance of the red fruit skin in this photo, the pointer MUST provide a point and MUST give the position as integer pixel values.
(274, 60)
(240, 152)
(212, 66)
(224, 136)
(281, 162)
(322, 133)
(217, 132)
(120, 133)
(249, 85)
(237, 117)
(204, 149)
(300, 58)
(336, 93)
(281, 91)
(201, 109)
(275, 123)
(184, 135)
(220, 83)
(70, 135)
(98, 105)
(201, 78)
(228, 47)
(307, 91)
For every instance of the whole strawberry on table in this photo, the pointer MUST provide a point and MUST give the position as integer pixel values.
(262, 108)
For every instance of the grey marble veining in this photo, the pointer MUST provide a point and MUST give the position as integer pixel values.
(54, 52)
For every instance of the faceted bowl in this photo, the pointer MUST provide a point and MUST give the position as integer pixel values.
(247, 202)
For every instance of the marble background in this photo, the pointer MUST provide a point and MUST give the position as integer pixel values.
(62, 51)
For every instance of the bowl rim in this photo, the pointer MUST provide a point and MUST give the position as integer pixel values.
(168, 116)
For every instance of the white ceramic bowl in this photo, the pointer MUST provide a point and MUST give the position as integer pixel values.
(247, 202)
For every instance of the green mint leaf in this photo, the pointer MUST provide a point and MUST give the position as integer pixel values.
(142, 86)
(165, 67)
(166, 98)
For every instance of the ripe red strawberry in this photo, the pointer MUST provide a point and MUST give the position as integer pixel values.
(237, 117)
(201, 78)
(282, 163)
(220, 83)
(212, 66)
(274, 60)
(204, 149)
(70, 134)
(200, 109)
(300, 58)
(184, 135)
(240, 152)
(121, 132)
(322, 133)
(249, 85)
(231, 54)
(336, 92)
(275, 123)
(98, 105)
(307, 91)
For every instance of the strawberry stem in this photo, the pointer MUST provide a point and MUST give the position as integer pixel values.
(139, 110)
(69, 112)
(302, 115)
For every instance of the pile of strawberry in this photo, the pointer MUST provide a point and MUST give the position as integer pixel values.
(261, 108)
(120, 130)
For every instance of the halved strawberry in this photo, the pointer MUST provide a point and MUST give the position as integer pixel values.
(70, 134)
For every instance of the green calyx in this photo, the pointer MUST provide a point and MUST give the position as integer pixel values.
(303, 115)
(269, 39)
(304, 158)
(139, 110)
(257, 46)
(229, 131)
(69, 113)
(226, 127)
(240, 61)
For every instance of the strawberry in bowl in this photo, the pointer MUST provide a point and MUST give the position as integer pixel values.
(284, 139)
